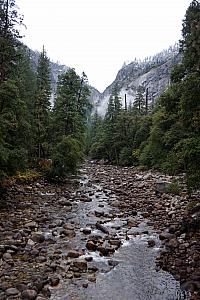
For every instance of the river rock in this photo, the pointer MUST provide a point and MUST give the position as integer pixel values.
(85, 198)
(68, 233)
(131, 222)
(89, 258)
(68, 226)
(116, 243)
(99, 213)
(105, 250)
(31, 225)
(38, 237)
(7, 256)
(87, 231)
(80, 264)
(151, 243)
(64, 202)
(90, 245)
(40, 297)
(173, 243)
(55, 281)
(73, 254)
(161, 186)
(115, 203)
(12, 292)
(92, 277)
(41, 259)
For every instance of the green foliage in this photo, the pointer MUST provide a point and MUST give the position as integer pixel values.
(173, 144)
(191, 37)
(71, 106)
(125, 157)
(42, 106)
(66, 157)
(174, 188)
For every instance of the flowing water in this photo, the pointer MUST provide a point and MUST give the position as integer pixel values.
(133, 275)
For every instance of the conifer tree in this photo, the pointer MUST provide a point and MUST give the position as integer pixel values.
(12, 107)
(190, 44)
(42, 104)
(69, 122)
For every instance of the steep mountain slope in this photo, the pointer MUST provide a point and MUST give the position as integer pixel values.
(153, 74)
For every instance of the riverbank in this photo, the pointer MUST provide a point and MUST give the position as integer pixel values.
(54, 236)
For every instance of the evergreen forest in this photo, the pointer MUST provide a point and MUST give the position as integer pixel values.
(38, 138)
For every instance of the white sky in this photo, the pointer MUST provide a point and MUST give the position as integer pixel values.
(97, 36)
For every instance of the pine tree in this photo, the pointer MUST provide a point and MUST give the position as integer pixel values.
(69, 122)
(12, 107)
(9, 36)
(139, 105)
(110, 124)
(71, 105)
(190, 44)
(42, 104)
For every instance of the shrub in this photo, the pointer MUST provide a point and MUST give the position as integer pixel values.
(66, 157)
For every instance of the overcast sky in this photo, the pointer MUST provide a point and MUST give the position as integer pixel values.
(98, 36)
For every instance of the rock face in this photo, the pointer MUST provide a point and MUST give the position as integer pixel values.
(152, 74)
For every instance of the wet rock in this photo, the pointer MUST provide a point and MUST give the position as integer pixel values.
(11, 292)
(89, 258)
(85, 198)
(38, 237)
(173, 243)
(113, 263)
(40, 297)
(99, 213)
(64, 202)
(80, 264)
(131, 222)
(151, 243)
(68, 226)
(90, 245)
(165, 236)
(105, 250)
(41, 259)
(115, 203)
(92, 278)
(2, 296)
(30, 243)
(116, 243)
(73, 254)
(77, 274)
(87, 231)
(31, 225)
(35, 252)
(46, 292)
(21, 287)
(68, 233)
(102, 228)
(29, 294)
(55, 281)
(7, 256)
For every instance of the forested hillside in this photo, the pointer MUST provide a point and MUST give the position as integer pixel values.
(32, 134)
(166, 136)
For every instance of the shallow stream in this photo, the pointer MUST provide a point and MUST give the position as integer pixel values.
(130, 273)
